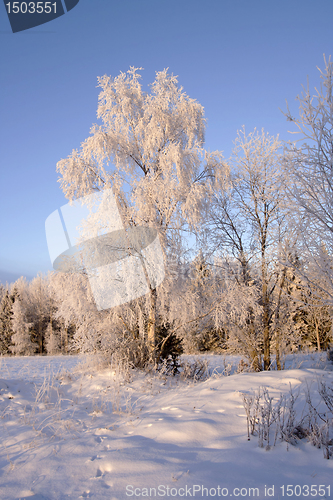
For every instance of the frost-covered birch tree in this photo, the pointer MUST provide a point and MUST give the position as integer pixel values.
(77, 313)
(309, 166)
(31, 316)
(149, 149)
(39, 305)
(52, 340)
(21, 339)
(246, 225)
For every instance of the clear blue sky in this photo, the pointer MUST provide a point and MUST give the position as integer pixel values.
(240, 59)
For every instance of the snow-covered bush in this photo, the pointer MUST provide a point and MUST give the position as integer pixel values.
(278, 420)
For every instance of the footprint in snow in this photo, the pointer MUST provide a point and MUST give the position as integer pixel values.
(178, 475)
(102, 469)
(99, 439)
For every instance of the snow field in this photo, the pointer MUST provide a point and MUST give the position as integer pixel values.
(69, 431)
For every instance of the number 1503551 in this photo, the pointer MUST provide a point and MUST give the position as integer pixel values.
(31, 7)
(305, 490)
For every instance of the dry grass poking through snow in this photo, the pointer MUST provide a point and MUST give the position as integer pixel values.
(276, 419)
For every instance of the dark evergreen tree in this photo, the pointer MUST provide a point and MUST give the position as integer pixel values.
(2, 292)
(6, 313)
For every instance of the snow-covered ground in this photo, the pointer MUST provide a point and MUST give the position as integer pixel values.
(69, 432)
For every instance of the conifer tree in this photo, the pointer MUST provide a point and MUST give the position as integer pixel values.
(6, 313)
(2, 292)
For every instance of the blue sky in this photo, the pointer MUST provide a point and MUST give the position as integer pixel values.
(241, 60)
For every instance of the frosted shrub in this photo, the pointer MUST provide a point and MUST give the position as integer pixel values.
(330, 354)
(195, 370)
(243, 366)
(265, 415)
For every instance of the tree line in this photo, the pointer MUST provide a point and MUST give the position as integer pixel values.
(246, 241)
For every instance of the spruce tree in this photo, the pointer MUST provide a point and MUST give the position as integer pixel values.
(6, 313)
